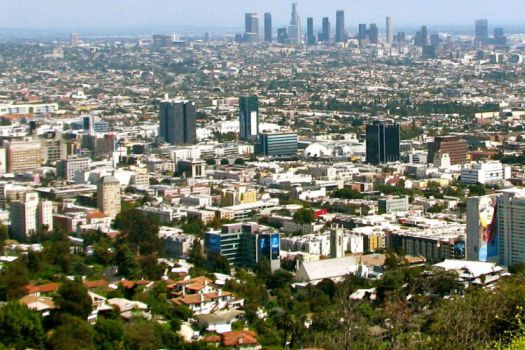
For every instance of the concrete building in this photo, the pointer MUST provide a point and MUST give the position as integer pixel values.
(67, 168)
(485, 173)
(510, 211)
(455, 146)
(337, 248)
(392, 204)
(30, 216)
(23, 155)
(108, 196)
(192, 168)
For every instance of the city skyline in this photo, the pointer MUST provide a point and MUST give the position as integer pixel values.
(98, 14)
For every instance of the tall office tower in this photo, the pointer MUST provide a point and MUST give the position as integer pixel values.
(481, 32)
(362, 34)
(510, 219)
(382, 143)
(482, 240)
(325, 32)
(177, 122)
(294, 30)
(424, 36)
(340, 35)
(310, 36)
(30, 216)
(435, 40)
(373, 34)
(251, 28)
(73, 39)
(389, 30)
(248, 117)
(454, 146)
(108, 196)
(417, 39)
(499, 37)
(401, 37)
(23, 155)
(282, 35)
(268, 27)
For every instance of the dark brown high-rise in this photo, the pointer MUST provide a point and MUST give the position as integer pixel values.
(455, 146)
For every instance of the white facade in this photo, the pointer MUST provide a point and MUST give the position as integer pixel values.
(30, 216)
(485, 173)
(511, 227)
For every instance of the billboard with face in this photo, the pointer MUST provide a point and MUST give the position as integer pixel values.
(488, 240)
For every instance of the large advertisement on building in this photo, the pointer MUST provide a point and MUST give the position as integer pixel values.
(213, 243)
(276, 246)
(488, 240)
(264, 245)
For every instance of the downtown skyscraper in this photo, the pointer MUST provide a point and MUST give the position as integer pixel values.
(481, 32)
(251, 28)
(310, 36)
(373, 34)
(268, 27)
(324, 35)
(294, 29)
(340, 35)
(389, 30)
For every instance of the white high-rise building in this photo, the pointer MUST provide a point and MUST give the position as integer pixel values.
(510, 211)
(485, 173)
(30, 216)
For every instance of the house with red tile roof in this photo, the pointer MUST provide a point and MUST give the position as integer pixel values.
(245, 340)
(201, 296)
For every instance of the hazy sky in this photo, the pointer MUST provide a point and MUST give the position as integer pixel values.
(71, 14)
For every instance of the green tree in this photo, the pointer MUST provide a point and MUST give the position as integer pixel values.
(13, 280)
(20, 327)
(109, 334)
(195, 256)
(126, 262)
(304, 216)
(280, 278)
(347, 193)
(225, 162)
(140, 231)
(218, 263)
(3, 237)
(239, 161)
(73, 298)
(73, 333)
(141, 335)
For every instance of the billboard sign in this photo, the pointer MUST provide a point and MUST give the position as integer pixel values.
(488, 240)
